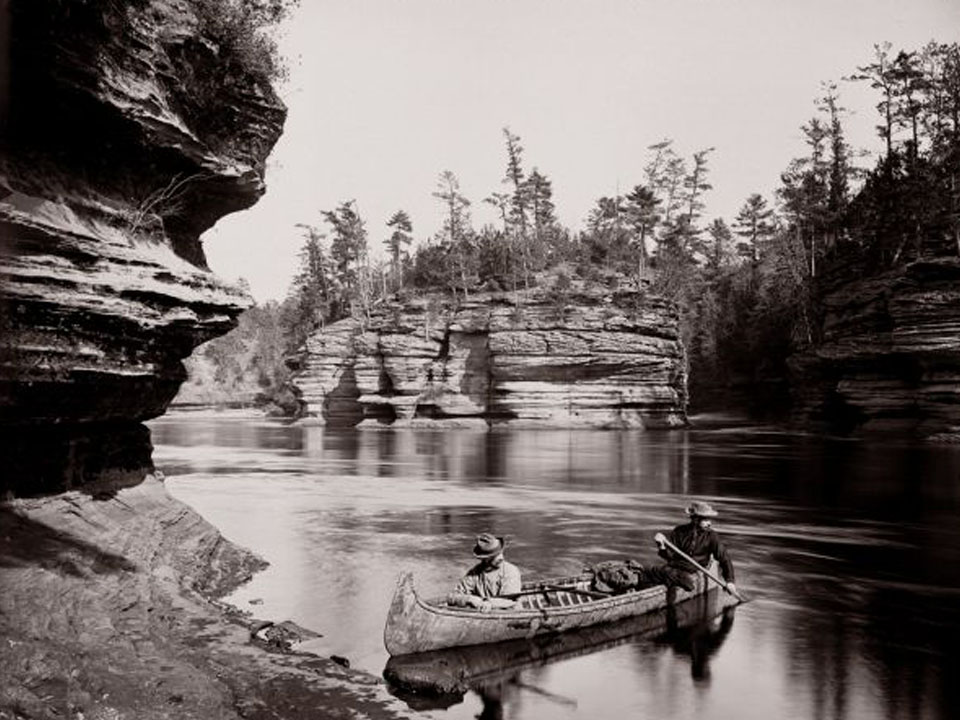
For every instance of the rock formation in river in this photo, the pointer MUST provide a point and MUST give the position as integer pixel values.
(594, 359)
(129, 134)
(890, 359)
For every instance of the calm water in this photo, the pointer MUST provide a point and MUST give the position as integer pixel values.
(849, 550)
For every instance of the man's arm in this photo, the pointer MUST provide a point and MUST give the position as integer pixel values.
(458, 599)
(662, 549)
(465, 593)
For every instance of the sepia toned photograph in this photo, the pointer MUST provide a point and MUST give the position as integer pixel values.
(462, 360)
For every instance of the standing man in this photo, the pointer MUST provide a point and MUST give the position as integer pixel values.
(698, 540)
(492, 582)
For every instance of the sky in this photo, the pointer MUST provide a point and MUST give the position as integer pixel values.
(384, 95)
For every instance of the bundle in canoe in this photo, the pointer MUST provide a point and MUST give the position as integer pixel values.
(415, 624)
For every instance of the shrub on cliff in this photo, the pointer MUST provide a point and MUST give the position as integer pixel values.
(240, 28)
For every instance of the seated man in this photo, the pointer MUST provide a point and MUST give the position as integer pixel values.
(491, 583)
(697, 540)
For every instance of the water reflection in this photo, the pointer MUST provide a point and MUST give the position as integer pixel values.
(700, 641)
(851, 551)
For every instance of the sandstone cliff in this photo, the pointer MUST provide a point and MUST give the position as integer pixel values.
(129, 134)
(890, 358)
(590, 360)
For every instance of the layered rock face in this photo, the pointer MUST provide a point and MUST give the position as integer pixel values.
(129, 133)
(591, 361)
(890, 360)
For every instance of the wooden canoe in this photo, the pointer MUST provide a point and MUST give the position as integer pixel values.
(415, 624)
(454, 671)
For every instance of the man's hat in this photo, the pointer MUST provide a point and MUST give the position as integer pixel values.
(488, 545)
(701, 509)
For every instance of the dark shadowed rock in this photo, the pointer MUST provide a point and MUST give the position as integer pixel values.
(129, 134)
(890, 359)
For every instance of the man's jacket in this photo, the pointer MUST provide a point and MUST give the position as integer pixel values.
(700, 545)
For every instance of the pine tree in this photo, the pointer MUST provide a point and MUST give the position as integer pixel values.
(539, 192)
(754, 224)
(720, 249)
(399, 239)
(312, 299)
(879, 74)
(456, 228)
(349, 253)
(518, 202)
(642, 217)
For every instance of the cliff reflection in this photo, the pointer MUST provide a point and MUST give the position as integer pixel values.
(578, 458)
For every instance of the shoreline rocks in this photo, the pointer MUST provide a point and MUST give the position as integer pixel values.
(106, 612)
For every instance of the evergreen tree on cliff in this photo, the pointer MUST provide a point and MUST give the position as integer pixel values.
(349, 253)
(642, 218)
(518, 219)
(312, 298)
(456, 233)
(399, 239)
(754, 224)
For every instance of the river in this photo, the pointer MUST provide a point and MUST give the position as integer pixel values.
(849, 552)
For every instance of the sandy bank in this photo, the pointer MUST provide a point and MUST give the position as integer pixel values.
(107, 611)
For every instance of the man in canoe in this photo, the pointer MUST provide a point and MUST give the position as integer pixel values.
(698, 540)
(492, 583)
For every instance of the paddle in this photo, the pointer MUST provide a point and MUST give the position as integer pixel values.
(569, 702)
(701, 568)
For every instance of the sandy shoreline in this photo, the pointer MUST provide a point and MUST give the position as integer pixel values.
(108, 610)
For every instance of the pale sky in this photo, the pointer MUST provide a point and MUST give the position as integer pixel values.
(384, 95)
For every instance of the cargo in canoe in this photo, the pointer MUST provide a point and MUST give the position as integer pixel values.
(415, 624)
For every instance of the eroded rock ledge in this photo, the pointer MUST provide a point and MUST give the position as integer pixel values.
(129, 134)
(104, 614)
(592, 359)
(890, 360)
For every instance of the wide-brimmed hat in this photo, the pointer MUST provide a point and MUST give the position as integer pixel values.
(701, 509)
(488, 545)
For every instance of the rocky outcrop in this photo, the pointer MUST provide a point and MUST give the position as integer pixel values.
(591, 359)
(130, 133)
(103, 614)
(890, 357)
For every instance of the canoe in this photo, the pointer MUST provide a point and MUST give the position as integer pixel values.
(453, 671)
(556, 605)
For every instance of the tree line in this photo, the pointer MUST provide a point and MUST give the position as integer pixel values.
(747, 287)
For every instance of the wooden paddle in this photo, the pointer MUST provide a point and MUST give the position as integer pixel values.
(563, 700)
(701, 568)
